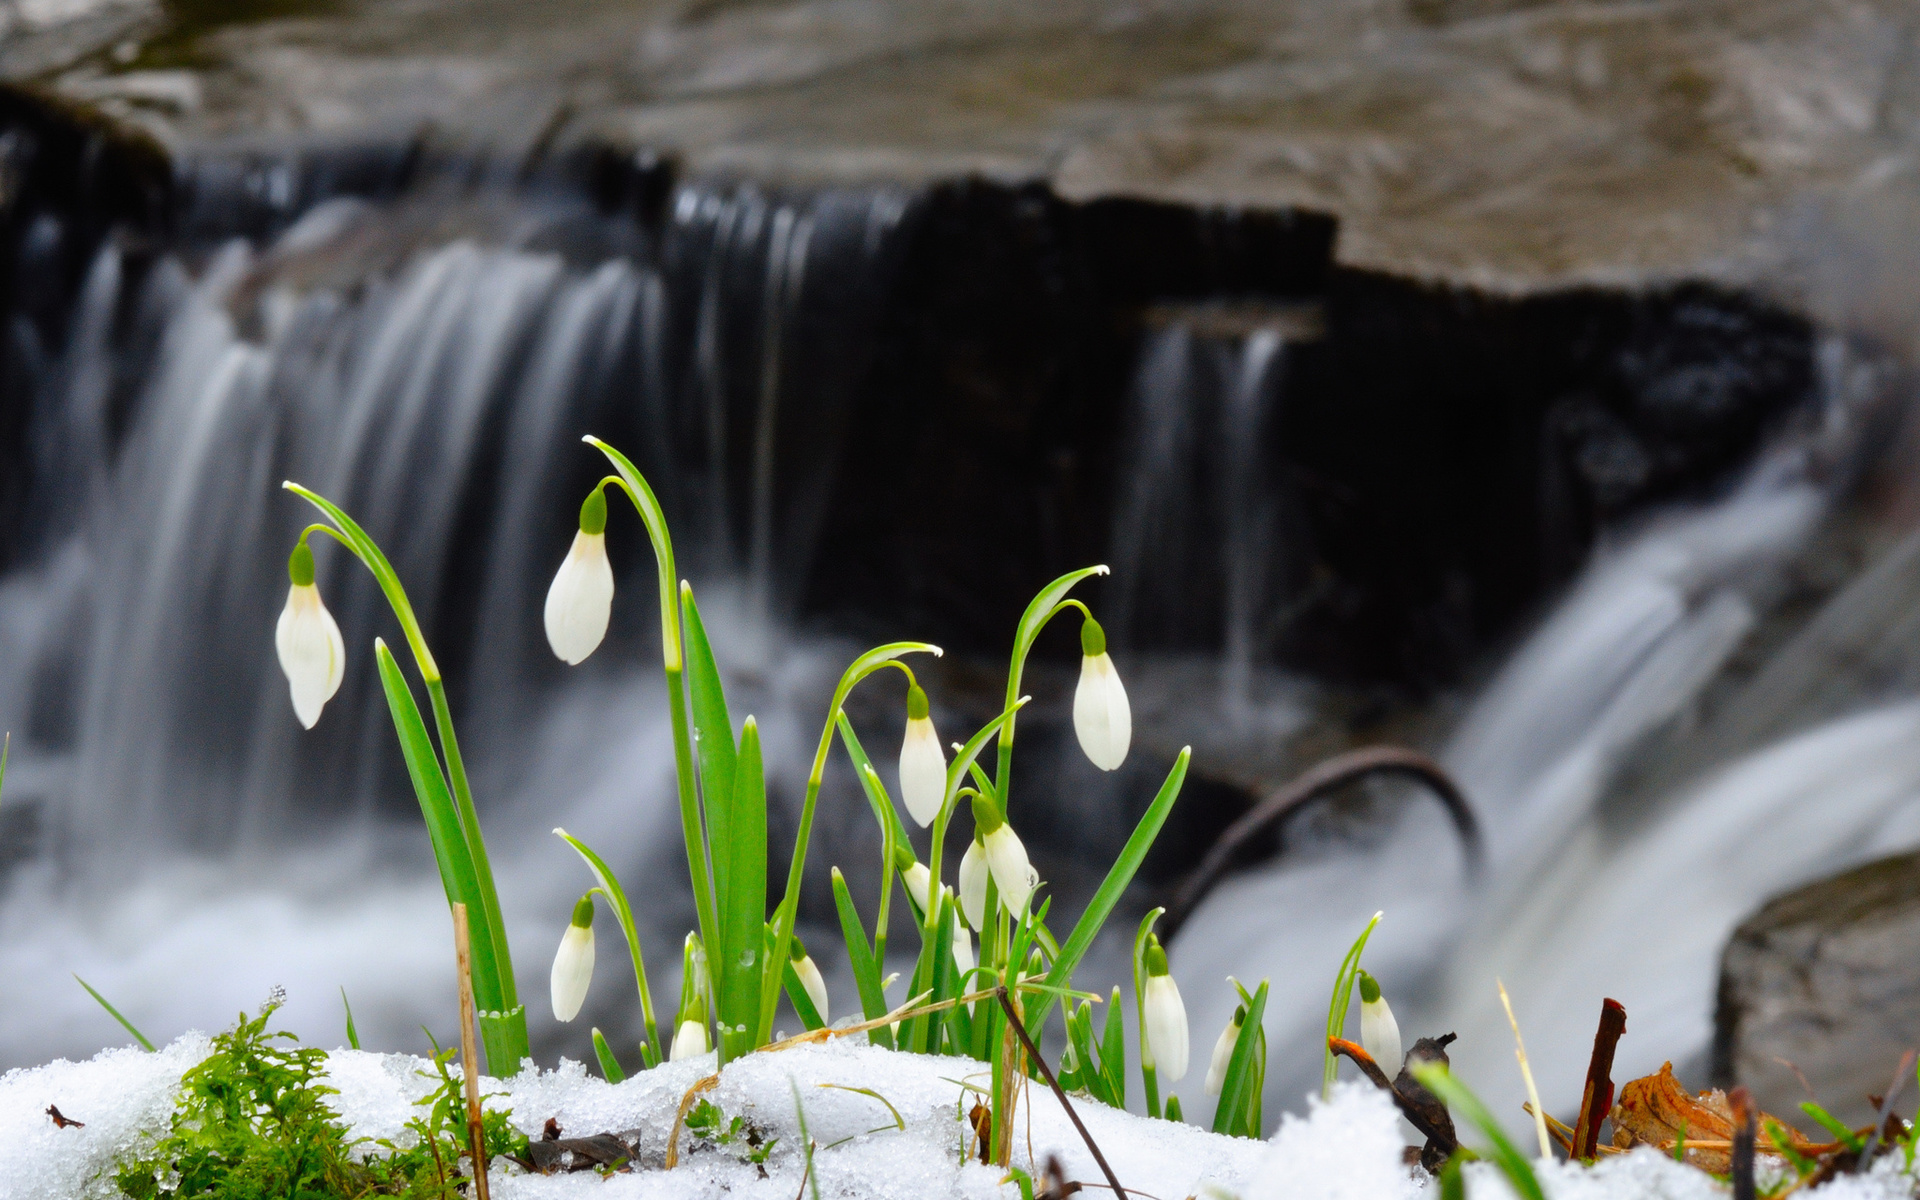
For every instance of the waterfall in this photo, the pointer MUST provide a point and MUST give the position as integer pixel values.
(1593, 889)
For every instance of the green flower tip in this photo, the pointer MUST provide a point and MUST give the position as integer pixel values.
(798, 951)
(1369, 990)
(593, 512)
(583, 912)
(1155, 957)
(986, 816)
(1239, 1015)
(916, 703)
(1093, 639)
(902, 858)
(300, 564)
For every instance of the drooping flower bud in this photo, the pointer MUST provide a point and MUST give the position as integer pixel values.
(1165, 1016)
(915, 878)
(809, 975)
(1101, 717)
(1013, 873)
(973, 885)
(312, 654)
(1223, 1051)
(573, 964)
(580, 601)
(923, 764)
(1379, 1032)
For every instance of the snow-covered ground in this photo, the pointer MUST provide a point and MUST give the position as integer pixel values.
(1347, 1149)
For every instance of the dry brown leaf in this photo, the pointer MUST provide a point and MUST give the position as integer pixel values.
(1655, 1110)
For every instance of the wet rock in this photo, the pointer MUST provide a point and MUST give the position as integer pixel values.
(1826, 978)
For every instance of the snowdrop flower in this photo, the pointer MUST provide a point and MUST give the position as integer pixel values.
(962, 948)
(573, 964)
(923, 764)
(581, 598)
(1006, 857)
(1379, 1032)
(1223, 1051)
(1164, 1016)
(1100, 714)
(312, 653)
(973, 885)
(690, 1040)
(915, 877)
(809, 974)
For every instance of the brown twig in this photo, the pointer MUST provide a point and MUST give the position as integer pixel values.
(1900, 1076)
(680, 1117)
(1277, 806)
(1596, 1099)
(463, 950)
(1443, 1138)
(1744, 1124)
(1046, 1072)
(63, 1122)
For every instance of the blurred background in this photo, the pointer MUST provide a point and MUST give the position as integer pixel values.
(1525, 382)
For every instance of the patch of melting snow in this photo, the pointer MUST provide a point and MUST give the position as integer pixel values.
(1349, 1148)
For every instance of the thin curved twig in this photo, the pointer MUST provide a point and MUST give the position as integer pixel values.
(1313, 784)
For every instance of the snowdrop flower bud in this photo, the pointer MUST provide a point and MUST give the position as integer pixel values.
(1379, 1032)
(1223, 1051)
(1165, 1017)
(915, 877)
(690, 1040)
(809, 975)
(573, 965)
(1100, 713)
(923, 764)
(973, 885)
(581, 598)
(1006, 857)
(962, 948)
(312, 653)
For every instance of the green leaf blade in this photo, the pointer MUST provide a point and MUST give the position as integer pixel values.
(866, 972)
(1236, 1089)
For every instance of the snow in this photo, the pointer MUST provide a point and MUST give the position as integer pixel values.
(1347, 1148)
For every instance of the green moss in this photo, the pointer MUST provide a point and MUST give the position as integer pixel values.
(253, 1120)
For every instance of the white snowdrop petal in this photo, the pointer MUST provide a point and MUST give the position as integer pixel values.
(313, 656)
(919, 884)
(1013, 873)
(962, 948)
(580, 600)
(816, 987)
(1380, 1035)
(572, 971)
(1101, 717)
(1166, 1019)
(973, 886)
(689, 1041)
(923, 771)
(1222, 1057)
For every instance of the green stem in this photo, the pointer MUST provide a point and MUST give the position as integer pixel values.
(1041, 610)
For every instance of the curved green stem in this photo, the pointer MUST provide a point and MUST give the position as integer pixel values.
(609, 886)
(773, 970)
(1039, 612)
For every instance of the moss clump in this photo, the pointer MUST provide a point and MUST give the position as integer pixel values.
(252, 1120)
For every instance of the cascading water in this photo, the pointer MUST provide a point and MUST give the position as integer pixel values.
(431, 365)
(193, 846)
(1592, 891)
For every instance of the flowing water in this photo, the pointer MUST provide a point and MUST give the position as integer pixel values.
(184, 846)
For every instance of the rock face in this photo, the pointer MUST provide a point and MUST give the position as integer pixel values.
(1826, 978)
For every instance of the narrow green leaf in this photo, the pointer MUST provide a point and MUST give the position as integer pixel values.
(1337, 1004)
(1833, 1125)
(1456, 1095)
(443, 829)
(353, 1035)
(713, 731)
(877, 798)
(115, 1014)
(1118, 877)
(1174, 1112)
(866, 972)
(743, 902)
(1237, 1087)
(609, 1065)
(1113, 1052)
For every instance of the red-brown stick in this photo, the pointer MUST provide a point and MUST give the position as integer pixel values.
(469, 1064)
(1596, 1099)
